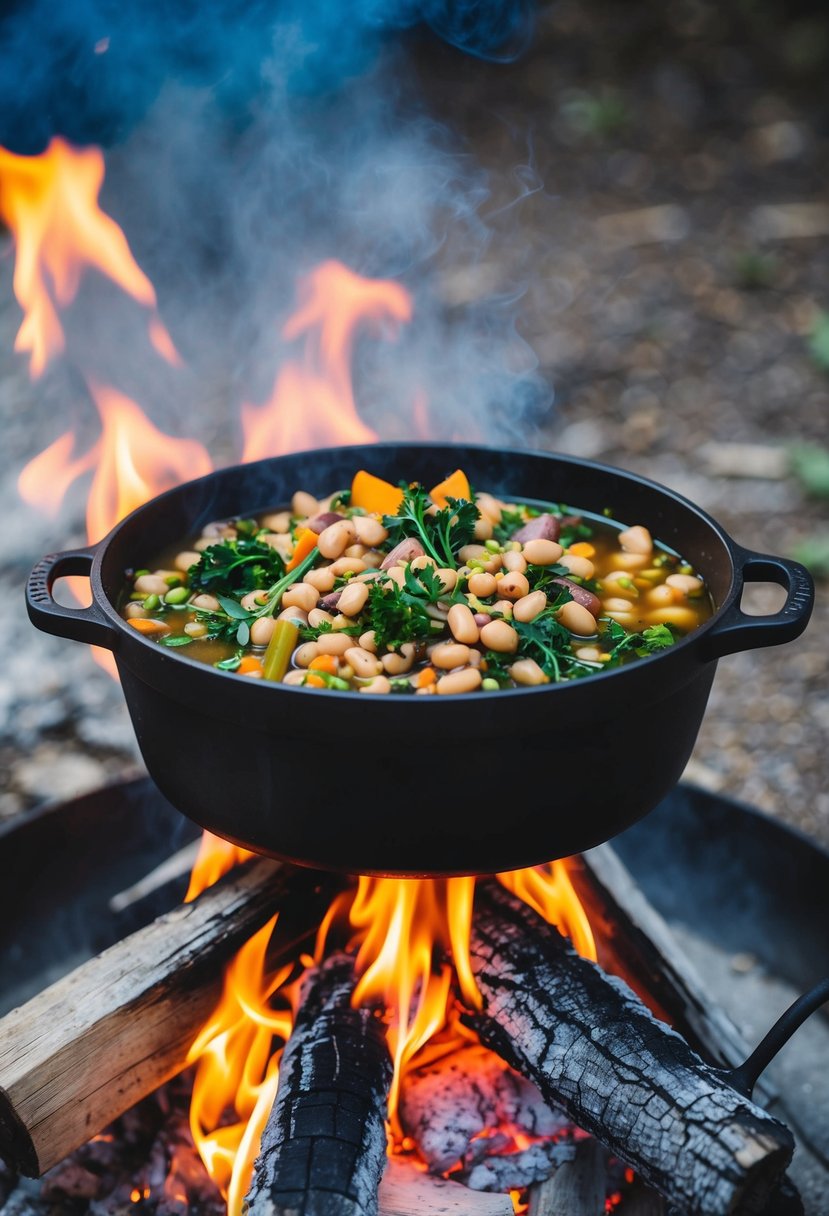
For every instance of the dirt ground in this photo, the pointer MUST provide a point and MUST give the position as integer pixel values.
(677, 222)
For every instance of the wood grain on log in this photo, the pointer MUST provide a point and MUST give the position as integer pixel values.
(577, 1188)
(593, 1048)
(82, 1052)
(323, 1150)
(407, 1191)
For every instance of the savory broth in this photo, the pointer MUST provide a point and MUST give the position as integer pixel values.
(385, 589)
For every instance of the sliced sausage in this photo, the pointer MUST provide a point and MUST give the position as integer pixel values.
(582, 596)
(543, 527)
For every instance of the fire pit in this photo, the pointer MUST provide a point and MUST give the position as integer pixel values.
(770, 881)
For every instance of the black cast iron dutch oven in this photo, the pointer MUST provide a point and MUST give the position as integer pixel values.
(419, 785)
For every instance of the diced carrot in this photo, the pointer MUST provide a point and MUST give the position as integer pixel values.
(324, 662)
(312, 681)
(306, 541)
(426, 677)
(372, 494)
(456, 485)
(582, 548)
(148, 626)
(249, 664)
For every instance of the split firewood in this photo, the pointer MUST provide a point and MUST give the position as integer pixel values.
(323, 1149)
(594, 1049)
(447, 1105)
(578, 1188)
(407, 1191)
(82, 1052)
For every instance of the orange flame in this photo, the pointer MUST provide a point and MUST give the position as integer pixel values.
(215, 858)
(312, 403)
(237, 1073)
(50, 203)
(412, 942)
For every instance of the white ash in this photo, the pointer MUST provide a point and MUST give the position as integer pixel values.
(448, 1104)
(513, 1170)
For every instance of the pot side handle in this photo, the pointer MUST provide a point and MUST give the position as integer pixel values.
(80, 624)
(737, 630)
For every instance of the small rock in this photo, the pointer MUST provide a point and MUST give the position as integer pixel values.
(48, 774)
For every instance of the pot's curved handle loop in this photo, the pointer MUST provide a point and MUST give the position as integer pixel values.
(80, 624)
(739, 631)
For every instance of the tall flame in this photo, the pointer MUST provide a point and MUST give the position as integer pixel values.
(411, 938)
(312, 403)
(50, 203)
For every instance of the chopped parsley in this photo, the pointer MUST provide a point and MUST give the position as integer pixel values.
(441, 533)
(234, 567)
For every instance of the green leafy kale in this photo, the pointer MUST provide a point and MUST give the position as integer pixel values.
(651, 640)
(442, 533)
(548, 642)
(398, 614)
(234, 567)
(511, 521)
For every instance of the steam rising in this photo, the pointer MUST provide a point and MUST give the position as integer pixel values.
(247, 142)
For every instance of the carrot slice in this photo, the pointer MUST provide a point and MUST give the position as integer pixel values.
(372, 494)
(312, 681)
(324, 662)
(426, 677)
(249, 664)
(306, 541)
(456, 485)
(582, 548)
(148, 626)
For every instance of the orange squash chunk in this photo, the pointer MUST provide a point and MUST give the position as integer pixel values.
(456, 485)
(374, 495)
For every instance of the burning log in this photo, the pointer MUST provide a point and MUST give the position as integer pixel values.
(594, 1049)
(324, 1146)
(636, 944)
(82, 1052)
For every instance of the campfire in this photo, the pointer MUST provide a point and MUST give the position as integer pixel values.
(379, 1044)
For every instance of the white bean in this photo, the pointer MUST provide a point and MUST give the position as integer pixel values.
(335, 539)
(577, 619)
(353, 599)
(500, 637)
(363, 664)
(466, 680)
(462, 625)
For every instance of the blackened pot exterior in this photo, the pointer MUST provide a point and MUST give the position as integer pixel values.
(419, 785)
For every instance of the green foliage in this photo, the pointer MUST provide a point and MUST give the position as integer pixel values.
(819, 341)
(810, 463)
(598, 115)
(813, 552)
(754, 269)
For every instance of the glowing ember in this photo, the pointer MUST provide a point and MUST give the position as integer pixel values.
(312, 404)
(50, 203)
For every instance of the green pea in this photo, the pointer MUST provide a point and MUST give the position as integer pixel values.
(492, 545)
(490, 685)
(177, 596)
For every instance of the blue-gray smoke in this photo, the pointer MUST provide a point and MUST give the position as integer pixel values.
(247, 142)
(89, 69)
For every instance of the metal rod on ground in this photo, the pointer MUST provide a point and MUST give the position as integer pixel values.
(324, 1146)
(595, 1050)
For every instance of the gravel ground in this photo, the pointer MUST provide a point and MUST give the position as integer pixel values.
(680, 259)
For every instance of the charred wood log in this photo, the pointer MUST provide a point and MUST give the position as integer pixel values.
(636, 943)
(407, 1191)
(323, 1150)
(593, 1048)
(82, 1052)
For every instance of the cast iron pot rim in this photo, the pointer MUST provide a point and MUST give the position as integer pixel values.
(673, 656)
